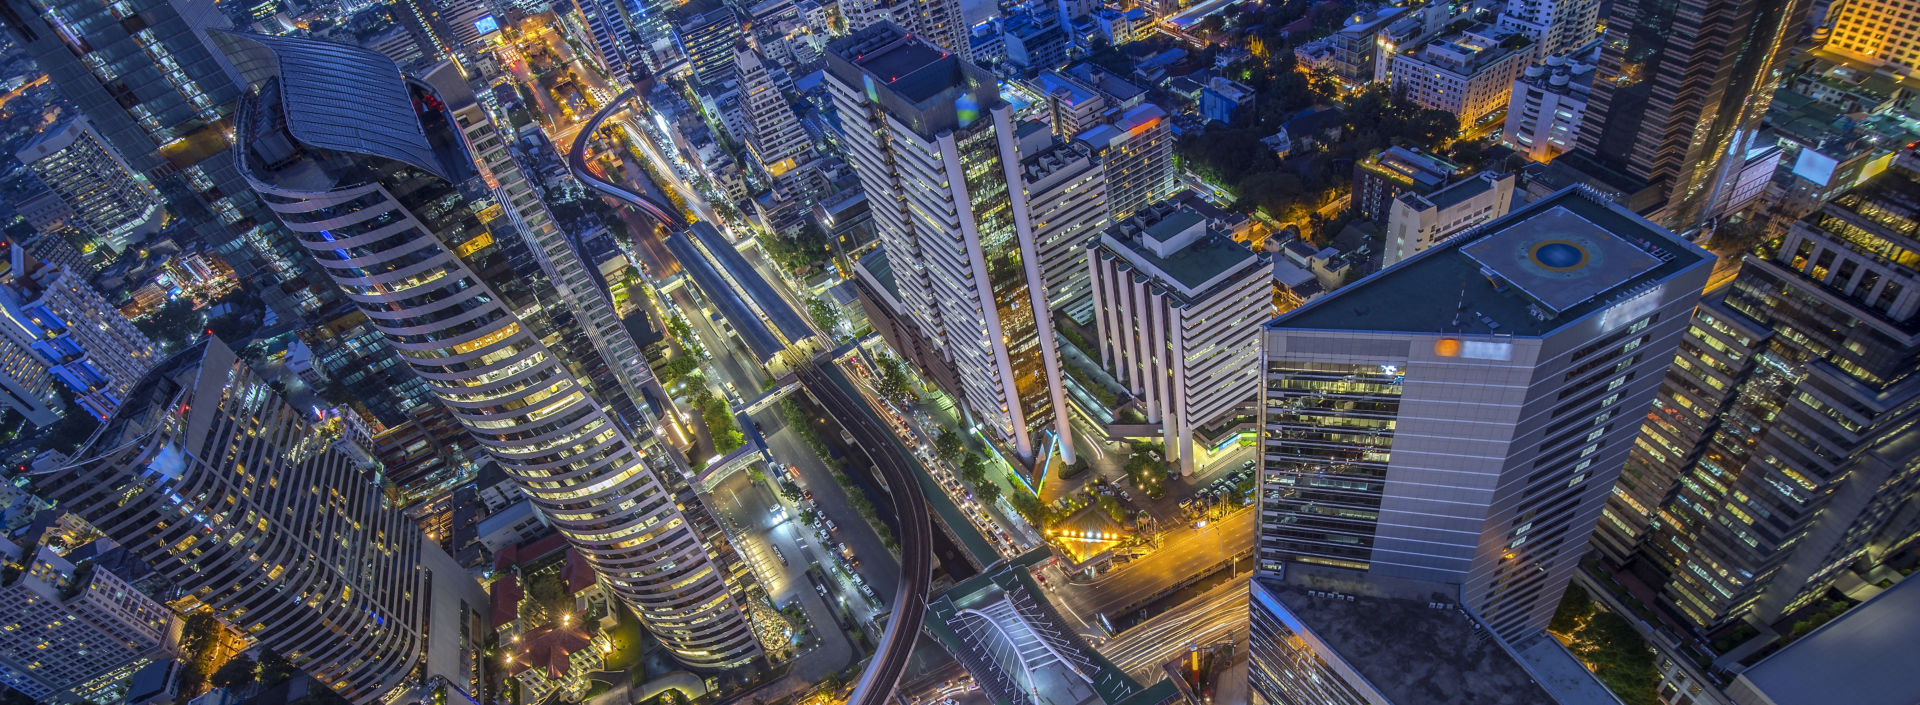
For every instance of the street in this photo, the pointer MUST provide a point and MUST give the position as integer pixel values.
(1183, 556)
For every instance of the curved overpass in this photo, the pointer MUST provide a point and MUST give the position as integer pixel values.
(882, 675)
(577, 162)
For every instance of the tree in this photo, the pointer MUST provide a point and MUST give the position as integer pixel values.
(987, 492)
(825, 316)
(892, 379)
(237, 672)
(174, 325)
(948, 445)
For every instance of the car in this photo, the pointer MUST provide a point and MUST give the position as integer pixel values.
(1124, 497)
(832, 526)
(1247, 464)
(822, 589)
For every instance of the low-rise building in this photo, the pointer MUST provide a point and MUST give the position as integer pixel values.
(1395, 170)
(1222, 98)
(1177, 304)
(1416, 222)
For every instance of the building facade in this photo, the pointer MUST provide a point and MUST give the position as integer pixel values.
(113, 204)
(933, 145)
(1469, 73)
(1137, 149)
(1378, 179)
(84, 341)
(1472, 438)
(1417, 222)
(1547, 105)
(1177, 304)
(1779, 456)
(1067, 189)
(1879, 32)
(367, 207)
(1556, 25)
(74, 630)
(254, 514)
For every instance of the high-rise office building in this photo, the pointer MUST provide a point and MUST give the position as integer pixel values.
(1780, 454)
(777, 141)
(613, 26)
(708, 32)
(1067, 190)
(74, 628)
(109, 201)
(1556, 26)
(1459, 418)
(83, 340)
(933, 144)
(1178, 304)
(145, 76)
(1680, 89)
(1468, 73)
(1879, 32)
(332, 138)
(253, 513)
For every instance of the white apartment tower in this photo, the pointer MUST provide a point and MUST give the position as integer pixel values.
(1067, 190)
(257, 515)
(368, 184)
(1556, 25)
(80, 167)
(934, 146)
(1460, 418)
(1178, 306)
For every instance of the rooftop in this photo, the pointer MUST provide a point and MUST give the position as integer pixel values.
(1528, 273)
(1391, 633)
(1178, 247)
(1865, 653)
(1457, 193)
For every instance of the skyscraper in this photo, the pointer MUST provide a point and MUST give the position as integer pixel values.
(708, 32)
(1067, 190)
(145, 76)
(1680, 90)
(86, 174)
(1780, 454)
(255, 514)
(1178, 304)
(933, 144)
(1459, 418)
(778, 143)
(332, 138)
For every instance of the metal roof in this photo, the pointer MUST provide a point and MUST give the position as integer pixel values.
(336, 96)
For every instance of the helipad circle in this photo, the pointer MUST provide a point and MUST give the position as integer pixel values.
(1559, 255)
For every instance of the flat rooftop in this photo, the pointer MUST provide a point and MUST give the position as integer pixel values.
(1412, 652)
(1192, 267)
(1528, 273)
(1866, 653)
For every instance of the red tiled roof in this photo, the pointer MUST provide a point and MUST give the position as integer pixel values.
(578, 574)
(506, 599)
(549, 647)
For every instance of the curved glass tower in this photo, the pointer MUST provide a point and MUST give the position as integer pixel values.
(363, 165)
